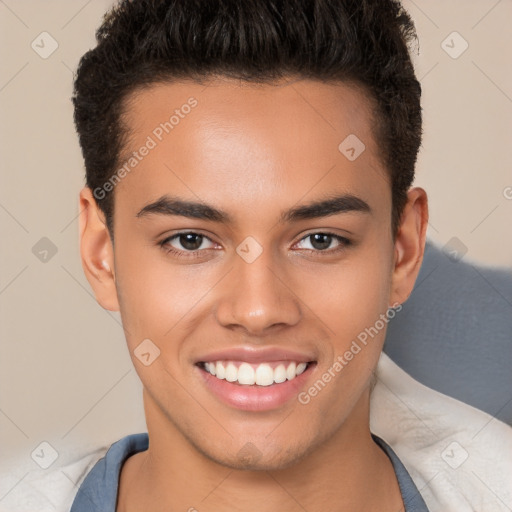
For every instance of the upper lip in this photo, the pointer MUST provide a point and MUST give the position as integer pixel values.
(256, 355)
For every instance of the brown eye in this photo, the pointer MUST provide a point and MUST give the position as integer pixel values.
(323, 242)
(186, 243)
(190, 241)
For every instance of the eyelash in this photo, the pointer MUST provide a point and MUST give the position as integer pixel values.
(343, 244)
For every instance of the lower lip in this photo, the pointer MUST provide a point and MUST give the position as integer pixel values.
(256, 398)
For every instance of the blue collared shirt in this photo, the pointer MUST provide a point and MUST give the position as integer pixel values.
(98, 492)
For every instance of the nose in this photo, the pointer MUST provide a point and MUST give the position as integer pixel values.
(256, 298)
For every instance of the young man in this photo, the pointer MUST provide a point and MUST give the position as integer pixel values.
(260, 219)
(249, 212)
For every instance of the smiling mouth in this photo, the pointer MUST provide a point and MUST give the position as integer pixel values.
(262, 374)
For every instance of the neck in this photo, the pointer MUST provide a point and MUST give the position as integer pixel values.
(348, 472)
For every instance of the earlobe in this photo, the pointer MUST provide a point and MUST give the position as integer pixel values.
(97, 252)
(409, 245)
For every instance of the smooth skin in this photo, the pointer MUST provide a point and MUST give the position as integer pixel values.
(254, 151)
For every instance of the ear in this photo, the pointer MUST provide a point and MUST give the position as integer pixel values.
(409, 245)
(97, 251)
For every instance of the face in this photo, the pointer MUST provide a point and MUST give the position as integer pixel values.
(253, 248)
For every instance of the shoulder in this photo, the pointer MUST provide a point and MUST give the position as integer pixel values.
(100, 486)
(454, 453)
(95, 474)
(46, 490)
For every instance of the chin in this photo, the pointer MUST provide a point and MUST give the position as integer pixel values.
(252, 458)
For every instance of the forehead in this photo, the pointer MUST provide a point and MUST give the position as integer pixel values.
(249, 143)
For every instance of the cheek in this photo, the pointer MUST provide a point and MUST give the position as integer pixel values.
(155, 297)
(353, 295)
(355, 304)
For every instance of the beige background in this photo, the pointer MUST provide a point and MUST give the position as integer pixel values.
(65, 375)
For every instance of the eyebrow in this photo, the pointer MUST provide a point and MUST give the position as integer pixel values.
(168, 205)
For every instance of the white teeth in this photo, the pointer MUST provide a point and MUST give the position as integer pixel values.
(300, 368)
(220, 371)
(264, 375)
(290, 371)
(280, 374)
(210, 367)
(261, 375)
(231, 372)
(246, 374)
